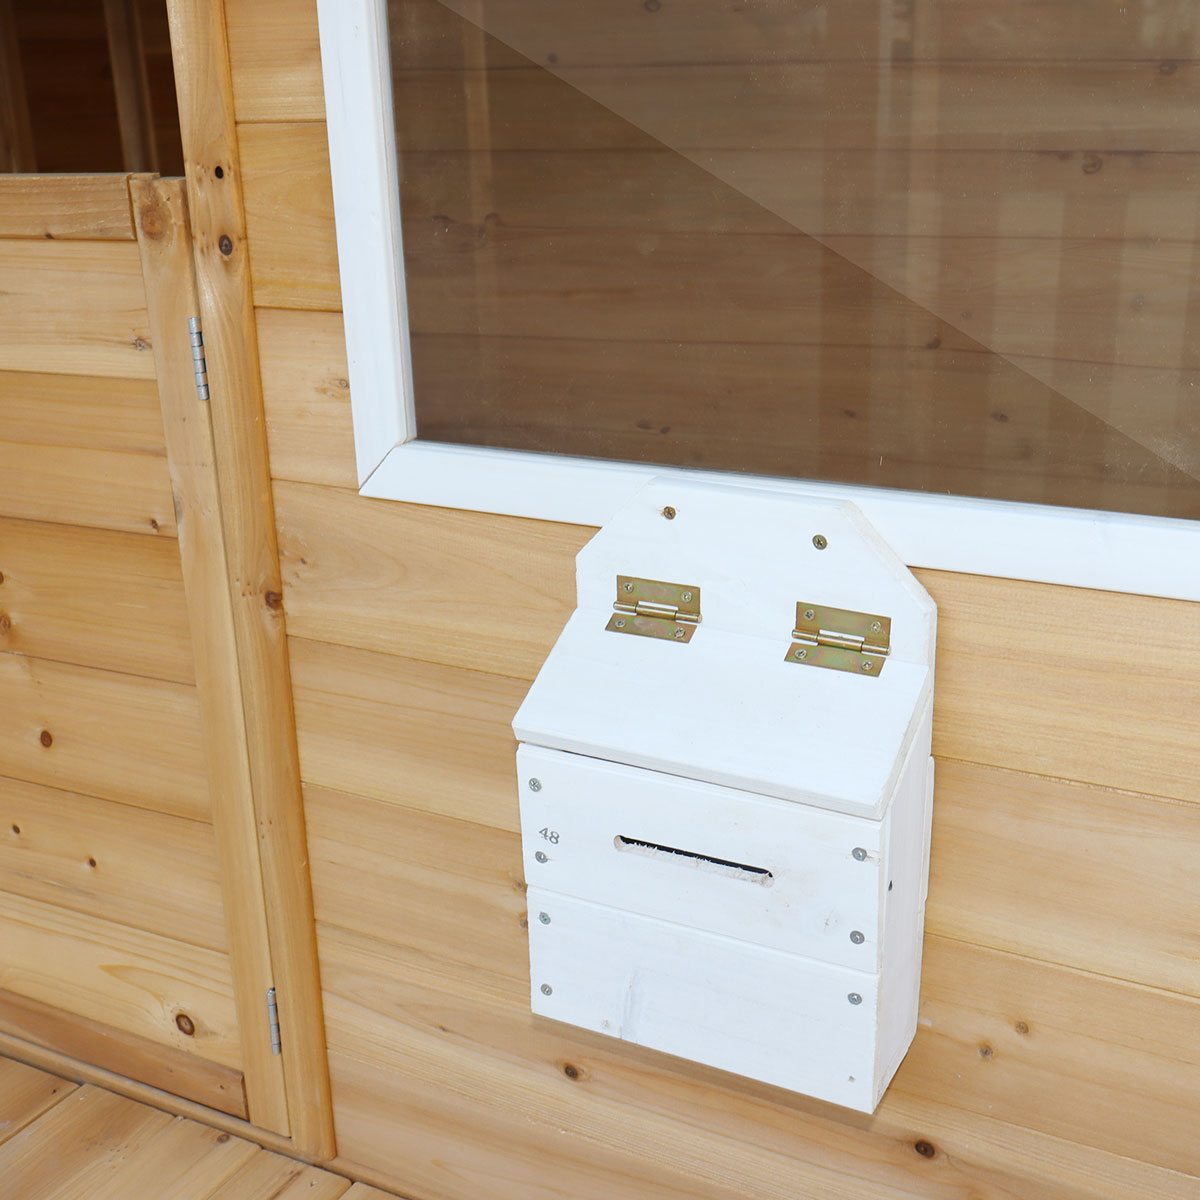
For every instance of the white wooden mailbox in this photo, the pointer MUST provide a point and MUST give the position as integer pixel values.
(726, 789)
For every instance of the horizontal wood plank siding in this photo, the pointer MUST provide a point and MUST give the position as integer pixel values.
(129, 616)
(117, 736)
(66, 207)
(73, 308)
(140, 868)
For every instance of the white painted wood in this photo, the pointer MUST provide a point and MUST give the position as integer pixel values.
(366, 205)
(727, 707)
(775, 1017)
(816, 895)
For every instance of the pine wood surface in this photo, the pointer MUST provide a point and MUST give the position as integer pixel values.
(25, 1093)
(218, 1088)
(129, 618)
(306, 396)
(116, 736)
(223, 277)
(135, 981)
(73, 308)
(60, 1141)
(164, 239)
(65, 207)
(75, 485)
(96, 412)
(145, 869)
(289, 198)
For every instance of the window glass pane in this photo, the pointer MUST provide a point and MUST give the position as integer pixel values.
(943, 245)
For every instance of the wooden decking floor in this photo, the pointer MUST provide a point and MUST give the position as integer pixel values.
(64, 1141)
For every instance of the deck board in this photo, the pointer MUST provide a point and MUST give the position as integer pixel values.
(63, 1141)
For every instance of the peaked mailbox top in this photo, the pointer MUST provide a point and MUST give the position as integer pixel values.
(768, 690)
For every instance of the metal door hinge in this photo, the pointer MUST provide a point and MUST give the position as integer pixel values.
(651, 608)
(199, 366)
(273, 1020)
(840, 639)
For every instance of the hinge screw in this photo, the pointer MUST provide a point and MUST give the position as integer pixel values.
(535, 785)
(669, 513)
(801, 655)
(686, 597)
(876, 627)
(547, 990)
(541, 857)
(820, 541)
(860, 854)
(809, 614)
(544, 918)
(679, 633)
(857, 938)
(868, 665)
(629, 587)
(619, 624)
(854, 998)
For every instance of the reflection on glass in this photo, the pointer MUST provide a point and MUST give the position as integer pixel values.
(944, 245)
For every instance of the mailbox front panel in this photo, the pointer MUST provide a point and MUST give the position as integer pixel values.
(776, 1017)
(766, 871)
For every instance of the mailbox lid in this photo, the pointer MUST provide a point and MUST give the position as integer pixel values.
(726, 705)
(750, 867)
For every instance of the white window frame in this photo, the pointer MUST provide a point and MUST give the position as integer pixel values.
(1122, 552)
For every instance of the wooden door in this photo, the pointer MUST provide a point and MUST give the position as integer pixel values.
(135, 865)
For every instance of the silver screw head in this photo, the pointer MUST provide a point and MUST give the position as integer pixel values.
(678, 633)
(545, 920)
(547, 990)
(535, 785)
(801, 655)
(820, 541)
(686, 596)
(876, 627)
(541, 857)
(868, 664)
(629, 587)
(859, 853)
(809, 614)
(619, 624)
(854, 998)
(856, 937)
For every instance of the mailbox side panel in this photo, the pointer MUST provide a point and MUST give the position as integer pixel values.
(904, 892)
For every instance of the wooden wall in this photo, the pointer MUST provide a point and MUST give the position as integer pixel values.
(113, 941)
(1059, 1048)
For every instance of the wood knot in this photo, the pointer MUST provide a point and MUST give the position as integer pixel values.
(925, 1149)
(1021, 1027)
(154, 524)
(185, 1024)
(140, 343)
(985, 1051)
(16, 829)
(224, 1137)
(274, 600)
(1, 576)
(5, 622)
(46, 738)
(154, 218)
(573, 1072)
(92, 863)
(219, 172)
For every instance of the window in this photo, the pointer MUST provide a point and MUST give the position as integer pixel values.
(936, 258)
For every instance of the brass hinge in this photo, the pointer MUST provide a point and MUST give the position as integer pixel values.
(840, 639)
(650, 608)
(199, 365)
(273, 1020)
